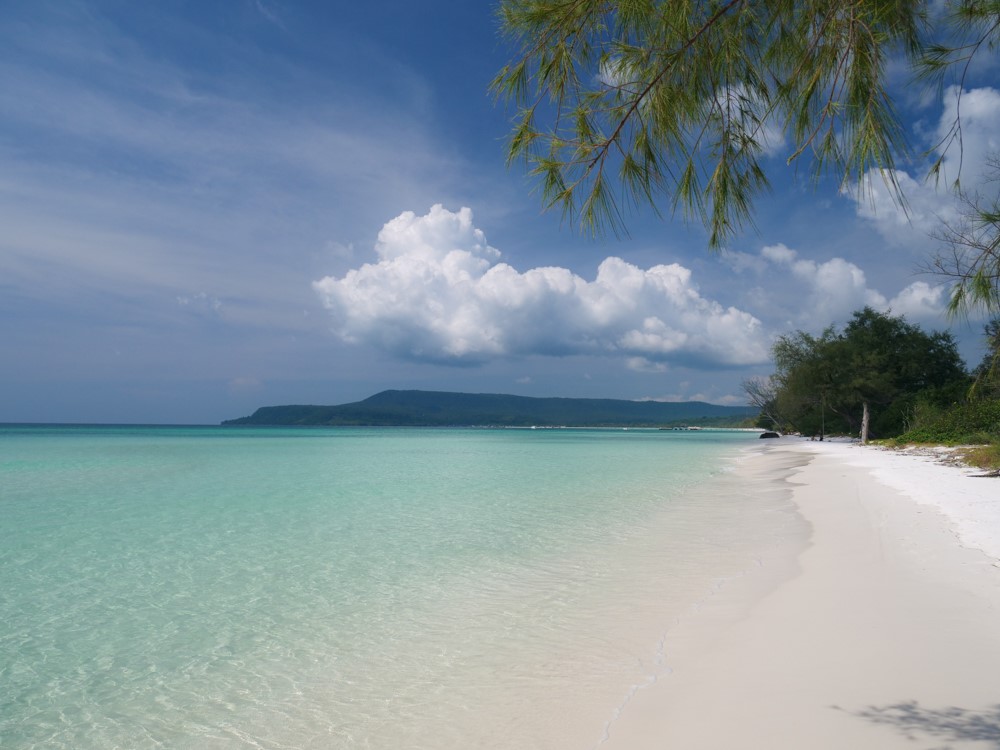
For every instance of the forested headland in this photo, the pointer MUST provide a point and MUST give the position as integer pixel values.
(442, 409)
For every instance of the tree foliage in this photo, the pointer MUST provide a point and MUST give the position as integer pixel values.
(969, 252)
(762, 394)
(624, 102)
(877, 363)
(987, 373)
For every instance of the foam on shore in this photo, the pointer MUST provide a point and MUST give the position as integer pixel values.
(883, 633)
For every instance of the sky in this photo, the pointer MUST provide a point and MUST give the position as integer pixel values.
(211, 207)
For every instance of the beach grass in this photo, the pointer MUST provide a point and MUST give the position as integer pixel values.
(986, 457)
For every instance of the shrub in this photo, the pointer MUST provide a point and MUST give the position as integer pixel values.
(983, 456)
(973, 422)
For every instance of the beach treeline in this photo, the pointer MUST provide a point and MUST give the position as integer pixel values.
(878, 377)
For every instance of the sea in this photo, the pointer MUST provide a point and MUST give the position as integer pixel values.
(222, 587)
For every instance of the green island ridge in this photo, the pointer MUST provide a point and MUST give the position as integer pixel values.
(439, 409)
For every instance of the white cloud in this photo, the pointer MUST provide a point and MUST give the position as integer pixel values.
(439, 293)
(641, 364)
(830, 291)
(741, 262)
(920, 301)
(930, 203)
(927, 206)
(979, 137)
(778, 253)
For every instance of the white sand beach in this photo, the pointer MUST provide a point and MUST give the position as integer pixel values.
(883, 633)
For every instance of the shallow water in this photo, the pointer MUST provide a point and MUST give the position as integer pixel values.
(353, 588)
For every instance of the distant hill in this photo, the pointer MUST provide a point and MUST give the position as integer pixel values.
(441, 409)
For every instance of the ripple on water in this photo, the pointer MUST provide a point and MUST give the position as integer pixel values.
(368, 589)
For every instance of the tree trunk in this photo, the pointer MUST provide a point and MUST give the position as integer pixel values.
(864, 422)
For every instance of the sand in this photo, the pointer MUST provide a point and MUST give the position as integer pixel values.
(882, 631)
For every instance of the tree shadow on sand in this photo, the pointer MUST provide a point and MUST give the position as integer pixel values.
(950, 724)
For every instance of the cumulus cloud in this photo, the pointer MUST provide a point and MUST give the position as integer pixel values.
(978, 110)
(831, 290)
(929, 203)
(910, 225)
(439, 293)
(641, 364)
(919, 301)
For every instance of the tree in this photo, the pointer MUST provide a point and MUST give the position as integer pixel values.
(804, 381)
(970, 250)
(868, 376)
(625, 102)
(887, 361)
(762, 394)
(987, 374)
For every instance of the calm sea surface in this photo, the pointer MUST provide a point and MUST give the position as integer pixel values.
(353, 588)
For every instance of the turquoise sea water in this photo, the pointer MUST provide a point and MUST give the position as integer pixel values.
(351, 588)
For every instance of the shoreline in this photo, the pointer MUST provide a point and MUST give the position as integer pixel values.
(882, 632)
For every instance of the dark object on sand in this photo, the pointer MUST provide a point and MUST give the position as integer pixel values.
(769, 435)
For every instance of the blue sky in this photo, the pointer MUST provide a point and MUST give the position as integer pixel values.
(209, 207)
